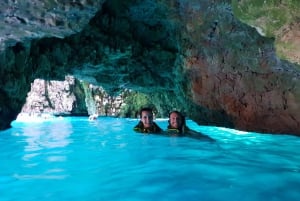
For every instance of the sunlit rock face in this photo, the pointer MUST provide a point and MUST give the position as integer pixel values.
(70, 97)
(192, 55)
(55, 97)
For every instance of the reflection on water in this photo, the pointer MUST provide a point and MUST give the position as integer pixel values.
(43, 146)
(40, 137)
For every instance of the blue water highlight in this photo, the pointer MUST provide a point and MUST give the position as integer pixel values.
(80, 160)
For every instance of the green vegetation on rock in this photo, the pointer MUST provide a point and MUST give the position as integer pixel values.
(134, 101)
(278, 19)
(268, 15)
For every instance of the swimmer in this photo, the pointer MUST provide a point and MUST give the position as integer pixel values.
(146, 123)
(177, 127)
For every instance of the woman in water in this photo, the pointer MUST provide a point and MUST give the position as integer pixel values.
(177, 127)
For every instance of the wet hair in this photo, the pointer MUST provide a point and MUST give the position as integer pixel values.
(145, 109)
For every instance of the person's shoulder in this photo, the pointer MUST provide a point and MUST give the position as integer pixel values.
(139, 127)
(156, 127)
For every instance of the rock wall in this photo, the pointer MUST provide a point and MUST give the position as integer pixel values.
(52, 97)
(195, 56)
(70, 97)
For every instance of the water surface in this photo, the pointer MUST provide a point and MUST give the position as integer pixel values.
(81, 160)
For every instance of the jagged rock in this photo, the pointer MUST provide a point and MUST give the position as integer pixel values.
(194, 55)
(51, 97)
(70, 97)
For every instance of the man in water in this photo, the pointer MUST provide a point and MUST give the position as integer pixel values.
(146, 124)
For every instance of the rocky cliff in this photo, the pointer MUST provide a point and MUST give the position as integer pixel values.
(71, 97)
(194, 55)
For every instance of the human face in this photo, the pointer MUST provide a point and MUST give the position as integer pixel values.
(147, 118)
(175, 120)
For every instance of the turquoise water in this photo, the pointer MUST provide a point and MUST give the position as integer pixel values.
(80, 160)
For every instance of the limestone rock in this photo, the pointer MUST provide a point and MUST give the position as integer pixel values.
(51, 97)
(70, 97)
